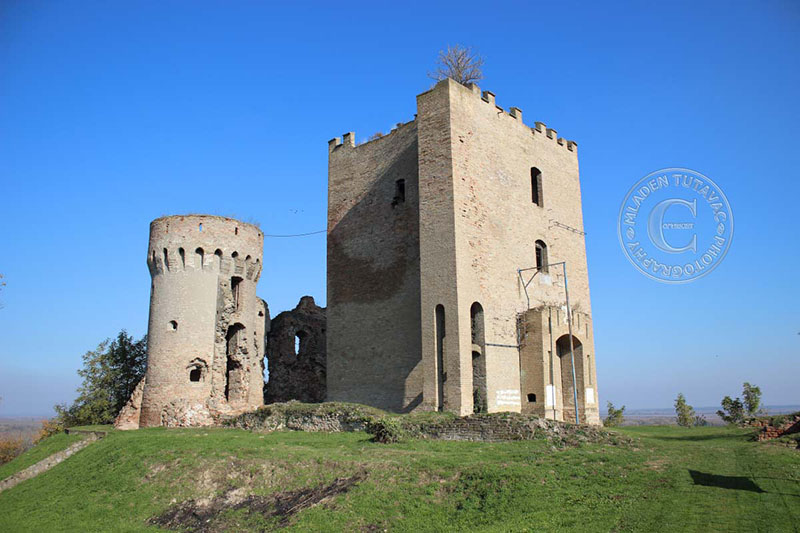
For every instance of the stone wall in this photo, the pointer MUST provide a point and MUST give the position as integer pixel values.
(373, 351)
(296, 348)
(473, 167)
(206, 330)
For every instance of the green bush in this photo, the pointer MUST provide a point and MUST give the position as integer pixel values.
(386, 430)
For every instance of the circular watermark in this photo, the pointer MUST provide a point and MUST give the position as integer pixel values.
(675, 225)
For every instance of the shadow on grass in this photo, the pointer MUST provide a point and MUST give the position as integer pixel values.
(724, 482)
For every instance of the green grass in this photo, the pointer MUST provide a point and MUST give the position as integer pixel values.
(47, 447)
(671, 479)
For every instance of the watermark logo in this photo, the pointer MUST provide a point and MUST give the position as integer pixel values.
(675, 225)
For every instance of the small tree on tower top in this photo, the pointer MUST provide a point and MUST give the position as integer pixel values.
(459, 63)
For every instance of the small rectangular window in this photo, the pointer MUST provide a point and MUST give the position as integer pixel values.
(399, 192)
(235, 282)
(536, 186)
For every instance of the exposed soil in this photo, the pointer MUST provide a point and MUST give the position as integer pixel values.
(201, 515)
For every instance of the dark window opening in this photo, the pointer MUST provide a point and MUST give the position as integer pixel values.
(182, 253)
(200, 254)
(399, 192)
(532, 398)
(173, 324)
(536, 186)
(441, 374)
(235, 289)
(300, 339)
(234, 372)
(541, 256)
(195, 374)
(166, 259)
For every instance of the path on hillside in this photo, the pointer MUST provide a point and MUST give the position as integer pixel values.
(49, 462)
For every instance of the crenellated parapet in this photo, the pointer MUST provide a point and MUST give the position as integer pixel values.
(205, 243)
(515, 113)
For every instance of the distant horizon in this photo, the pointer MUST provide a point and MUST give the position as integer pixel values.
(114, 116)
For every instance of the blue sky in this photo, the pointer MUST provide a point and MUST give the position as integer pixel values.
(112, 114)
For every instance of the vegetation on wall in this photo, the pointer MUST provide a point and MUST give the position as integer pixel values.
(459, 63)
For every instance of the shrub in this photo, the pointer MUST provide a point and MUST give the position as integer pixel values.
(10, 447)
(732, 410)
(615, 416)
(684, 413)
(386, 430)
(48, 429)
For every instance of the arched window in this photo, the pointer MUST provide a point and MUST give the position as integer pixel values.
(541, 256)
(536, 186)
(199, 254)
(479, 393)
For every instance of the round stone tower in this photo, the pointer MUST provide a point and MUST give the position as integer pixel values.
(205, 339)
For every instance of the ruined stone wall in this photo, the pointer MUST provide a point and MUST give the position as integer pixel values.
(546, 365)
(373, 350)
(296, 348)
(495, 225)
(207, 326)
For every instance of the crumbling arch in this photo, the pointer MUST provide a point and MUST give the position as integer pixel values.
(235, 375)
(198, 370)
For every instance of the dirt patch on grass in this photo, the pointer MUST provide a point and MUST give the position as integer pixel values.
(205, 516)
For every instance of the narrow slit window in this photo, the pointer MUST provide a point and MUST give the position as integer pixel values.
(235, 289)
(536, 186)
(399, 192)
(541, 256)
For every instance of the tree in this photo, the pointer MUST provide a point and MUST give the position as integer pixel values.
(615, 416)
(685, 412)
(110, 373)
(460, 64)
(752, 399)
(732, 410)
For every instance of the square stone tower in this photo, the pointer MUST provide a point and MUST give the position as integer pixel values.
(446, 289)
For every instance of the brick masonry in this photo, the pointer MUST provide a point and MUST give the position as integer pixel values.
(206, 334)
(406, 272)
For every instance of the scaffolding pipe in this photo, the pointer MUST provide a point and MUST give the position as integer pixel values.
(569, 322)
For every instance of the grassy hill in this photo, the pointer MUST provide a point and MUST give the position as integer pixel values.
(669, 479)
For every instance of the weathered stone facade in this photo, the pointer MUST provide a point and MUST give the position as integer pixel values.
(206, 335)
(428, 228)
(296, 354)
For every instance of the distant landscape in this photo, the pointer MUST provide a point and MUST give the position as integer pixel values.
(666, 416)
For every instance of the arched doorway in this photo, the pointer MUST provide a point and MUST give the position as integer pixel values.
(479, 396)
(565, 370)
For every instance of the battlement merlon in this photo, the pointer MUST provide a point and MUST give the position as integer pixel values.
(348, 139)
(516, 113)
